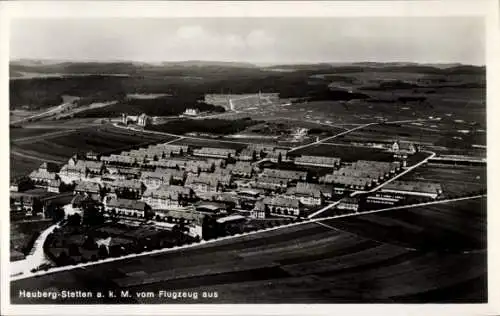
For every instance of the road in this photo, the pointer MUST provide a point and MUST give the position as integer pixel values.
(91, 106)
(307, 263)
(36, 257)
(50, 112)
(331, 137)
(236, 237)
(326, 208)
(43, 136)
(182, 136)
(432, 154)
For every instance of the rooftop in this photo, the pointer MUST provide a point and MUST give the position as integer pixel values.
(281, 201)
(126, 204)
(415, 186)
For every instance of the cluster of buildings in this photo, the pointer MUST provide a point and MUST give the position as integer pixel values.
(167, 181)
(361, 175)
(142, 120)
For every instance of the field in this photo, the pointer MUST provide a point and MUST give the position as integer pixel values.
(28, 155)
(455, 180)
(345, 153)
(199, 142)
(19, 133)
(23, 234)
(396, 257)
(447, 227)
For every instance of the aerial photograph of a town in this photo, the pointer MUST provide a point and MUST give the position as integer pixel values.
(248, 160)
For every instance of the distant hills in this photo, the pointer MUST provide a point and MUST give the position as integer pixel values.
(27, 68)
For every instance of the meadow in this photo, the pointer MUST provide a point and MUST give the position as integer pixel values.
(309, 263)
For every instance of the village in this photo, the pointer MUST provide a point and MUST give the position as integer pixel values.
(209, 192)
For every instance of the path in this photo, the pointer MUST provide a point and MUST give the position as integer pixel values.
(36, 257)
(331, 137)
(182, 136)
(432, 154)
(16, 153)
(83, 265)
(43, 136)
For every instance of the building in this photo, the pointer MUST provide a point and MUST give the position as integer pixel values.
(174, 149)
(21, 184)
(141, 155)
(203, 183)
(282, 206)
(343, 184)
(231, 219)
(127, 208)
(42, 176)
(317, 161)
(92, 155)
(217, 162)
(278, 155)
(25, 205)
(213, 207)
(382, 198)
(223, 171)
(247, 198)
(143, 120)
(168, 163)
(402, 149)
(247, 154)
(121, 173)
(153, 179)
(360, 175)
(92, 189)
(290, 175)
(54, 186)
(168, 196)
(306, 193)
(191, 112)
(196, 166)
(76, 170)
(242, 169)
(132, 188)
(270, 183)
(415, 188)
(223, 153)
(84, 200)
(119, 160)
(191, 219)
(259, 211)
(348, 203)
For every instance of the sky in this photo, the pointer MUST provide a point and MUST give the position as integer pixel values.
(254, 40)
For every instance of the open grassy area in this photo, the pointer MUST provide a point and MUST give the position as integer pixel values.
(25, 156)
(309, 263)
(17, 133)
(198, 142)
(455, 180)
(447, 227)
(24, 233)
(345, 153)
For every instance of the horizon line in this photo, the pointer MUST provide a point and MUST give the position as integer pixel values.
(259, 64)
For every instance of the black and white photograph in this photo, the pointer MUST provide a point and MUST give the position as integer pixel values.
(244, 159)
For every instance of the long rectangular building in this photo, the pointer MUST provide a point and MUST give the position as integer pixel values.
(223, 153)
(291, 175)
(317, 161)
(427, 189)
